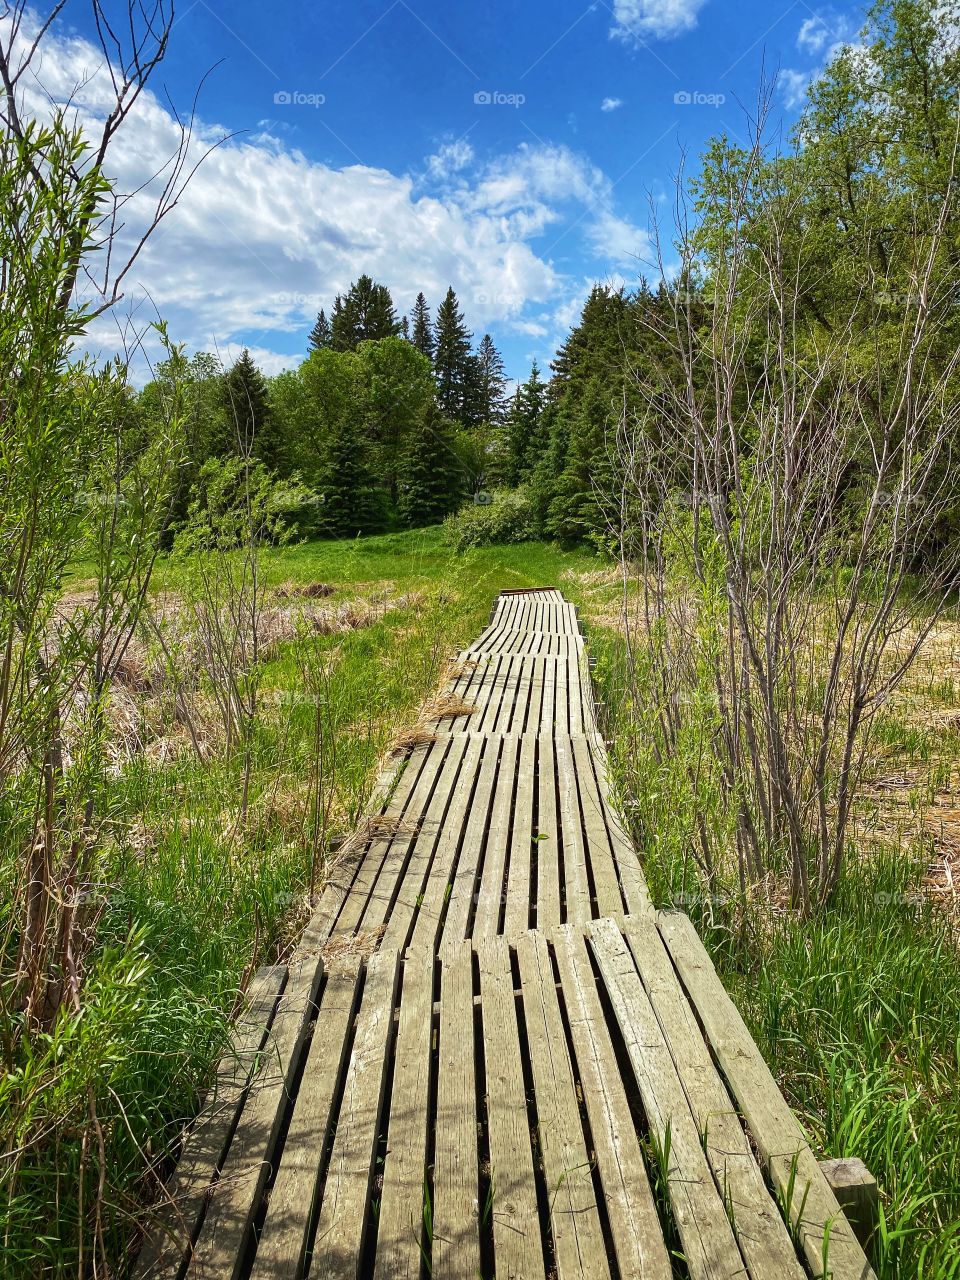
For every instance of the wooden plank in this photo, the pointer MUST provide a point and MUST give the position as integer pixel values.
(579, 907)
(606, 884)
(517, 909)
(236, 1198)
(547, 837)
(762, 1234)
(632, 882)
(345, 1208)
(578, 1243)
(400, 1224)
(486, 830)
(456, 1237)
(407, 806)
(634, 1225)
(284, 1240)
(409, 853)
(775, 1129)
(205, 1147)
(548, 712)
(490, 894)
(457, 828)
(518, 1250)
(441, 832)
(709, 1246)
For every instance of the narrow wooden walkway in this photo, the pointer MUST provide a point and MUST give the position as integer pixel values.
(490, 1057)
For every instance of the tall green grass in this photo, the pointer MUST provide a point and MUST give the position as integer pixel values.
(857, 1009)
(187, 906)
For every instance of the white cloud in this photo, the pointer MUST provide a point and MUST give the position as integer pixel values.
(451, 158)
(822, 36)
(265, 236)
(637, 20)
(611, 104)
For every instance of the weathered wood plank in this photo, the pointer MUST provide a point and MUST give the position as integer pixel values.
(205, 1147)
(345, 1209)
(775, 1129)
(407, 809)
(456, 1237)
(609, 898)
(576, 882)
(249, 1161)
(547, 837)
(634, 1225)
(709, 1245)
(518, 1250)
(400, 1223)
(284, 1240)
(418, 892)
(519, 877)
(485, 832)
(490, 892)
(760, 1230)
(578, 1243)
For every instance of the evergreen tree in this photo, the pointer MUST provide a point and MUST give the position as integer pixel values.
(366, 314)
(490, 382)
(351, 500)
(321, 336)
(524, 434)
(422, 335)
(431, 479)
(405, 329)
(247, 406)
(453, 360)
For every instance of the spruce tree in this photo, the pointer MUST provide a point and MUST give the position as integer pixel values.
(490, 382)
(453, 360)
(366, 314)
(247, 406)
(431, 474)
(524, 434)
(321, 336)
(422, 329)
(351, 500)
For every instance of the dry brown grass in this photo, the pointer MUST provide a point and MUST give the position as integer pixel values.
(447, 706)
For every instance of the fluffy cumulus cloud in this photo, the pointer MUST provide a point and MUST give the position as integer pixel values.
(264, 235)
(611, 104)
(638, 20)
(821, 37)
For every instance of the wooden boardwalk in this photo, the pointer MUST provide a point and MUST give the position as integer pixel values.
(490, 1057)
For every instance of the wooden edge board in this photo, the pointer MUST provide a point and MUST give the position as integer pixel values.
(175, 1226)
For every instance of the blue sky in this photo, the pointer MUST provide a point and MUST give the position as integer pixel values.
(510, 148)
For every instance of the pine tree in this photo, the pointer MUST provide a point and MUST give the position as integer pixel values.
(431, 478)
(452, 361)
(247, 405)
(422, 335)
(524, 434)
(321, 336)
(366, 314)
(490, 382)
(405, 329)
(351, 500)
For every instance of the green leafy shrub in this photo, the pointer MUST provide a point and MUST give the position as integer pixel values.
(508, 518)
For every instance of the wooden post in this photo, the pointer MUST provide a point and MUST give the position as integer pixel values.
(856, 1190)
